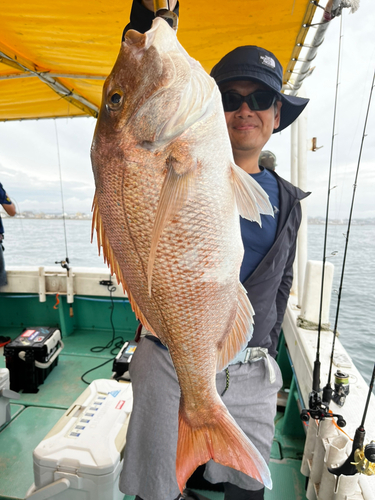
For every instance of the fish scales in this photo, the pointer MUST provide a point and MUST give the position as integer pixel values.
(166, 210)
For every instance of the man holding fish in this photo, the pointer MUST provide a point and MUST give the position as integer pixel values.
(170, 187)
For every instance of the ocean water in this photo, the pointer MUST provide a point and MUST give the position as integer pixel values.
(42, 242)
(355, 321)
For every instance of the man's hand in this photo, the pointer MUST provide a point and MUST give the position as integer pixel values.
(149, 4)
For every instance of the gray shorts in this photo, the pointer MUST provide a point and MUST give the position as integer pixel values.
(150, 452)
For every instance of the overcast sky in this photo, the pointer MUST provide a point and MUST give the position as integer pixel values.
(29, 160)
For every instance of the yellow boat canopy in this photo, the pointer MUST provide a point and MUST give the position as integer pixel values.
(55, 56)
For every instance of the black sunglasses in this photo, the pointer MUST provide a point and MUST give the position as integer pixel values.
(260, 100)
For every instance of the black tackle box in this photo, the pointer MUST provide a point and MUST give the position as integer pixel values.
(32, 356)
(123, 358)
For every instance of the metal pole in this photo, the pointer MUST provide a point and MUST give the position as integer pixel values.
(333, 8)
(302, 183)
(294, 181)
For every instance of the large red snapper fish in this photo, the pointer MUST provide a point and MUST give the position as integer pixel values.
(166, 211)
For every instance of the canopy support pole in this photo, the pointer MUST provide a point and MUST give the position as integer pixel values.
(58, 87)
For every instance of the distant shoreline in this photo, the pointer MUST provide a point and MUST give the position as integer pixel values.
(315, 221)
(48, 216)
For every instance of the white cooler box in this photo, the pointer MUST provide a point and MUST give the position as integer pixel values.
(5, 395)
(81, 457)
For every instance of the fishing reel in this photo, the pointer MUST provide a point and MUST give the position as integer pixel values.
(364, 459)
(361, 459)
(64, 263)
(341, 390)
(319, 406)
(319, 410)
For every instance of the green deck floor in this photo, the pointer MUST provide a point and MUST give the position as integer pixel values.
(17, 442)
(33, 415)
(288, 484)
(63, 385)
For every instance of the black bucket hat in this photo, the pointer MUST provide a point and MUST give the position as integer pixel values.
(259, 65)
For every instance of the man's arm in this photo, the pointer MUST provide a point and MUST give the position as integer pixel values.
(142, 15)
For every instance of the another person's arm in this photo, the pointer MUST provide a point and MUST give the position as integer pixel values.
(6, 202)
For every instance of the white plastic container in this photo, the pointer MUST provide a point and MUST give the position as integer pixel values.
(5, 395)
(81, 457)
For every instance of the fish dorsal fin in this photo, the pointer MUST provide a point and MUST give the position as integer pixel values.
(241, 333)
(178, 185)
(251, 198)
(111, 261)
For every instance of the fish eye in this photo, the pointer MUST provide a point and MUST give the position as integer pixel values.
(115, 99)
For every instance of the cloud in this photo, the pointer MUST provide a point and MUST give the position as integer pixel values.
(31, 173)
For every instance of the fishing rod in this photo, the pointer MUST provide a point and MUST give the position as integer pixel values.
(64, 263)
(318, 408)
(328, 391)
(362, 458)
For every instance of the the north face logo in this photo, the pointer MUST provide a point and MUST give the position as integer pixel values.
(267, 61)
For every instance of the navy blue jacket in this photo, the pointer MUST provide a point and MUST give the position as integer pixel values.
(269, 285)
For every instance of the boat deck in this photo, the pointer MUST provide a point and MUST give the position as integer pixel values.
(33, 415)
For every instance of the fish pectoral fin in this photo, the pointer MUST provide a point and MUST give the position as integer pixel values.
(223, 441)
(111, 261)
(176, 189)
(241, 333)
(181, 157)
(251, 198)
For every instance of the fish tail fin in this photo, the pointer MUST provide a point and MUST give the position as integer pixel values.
(224, 442)
(251, 199)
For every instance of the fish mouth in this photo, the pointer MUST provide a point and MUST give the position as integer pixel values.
(158, 35)
(162, 35)
(133, 37)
